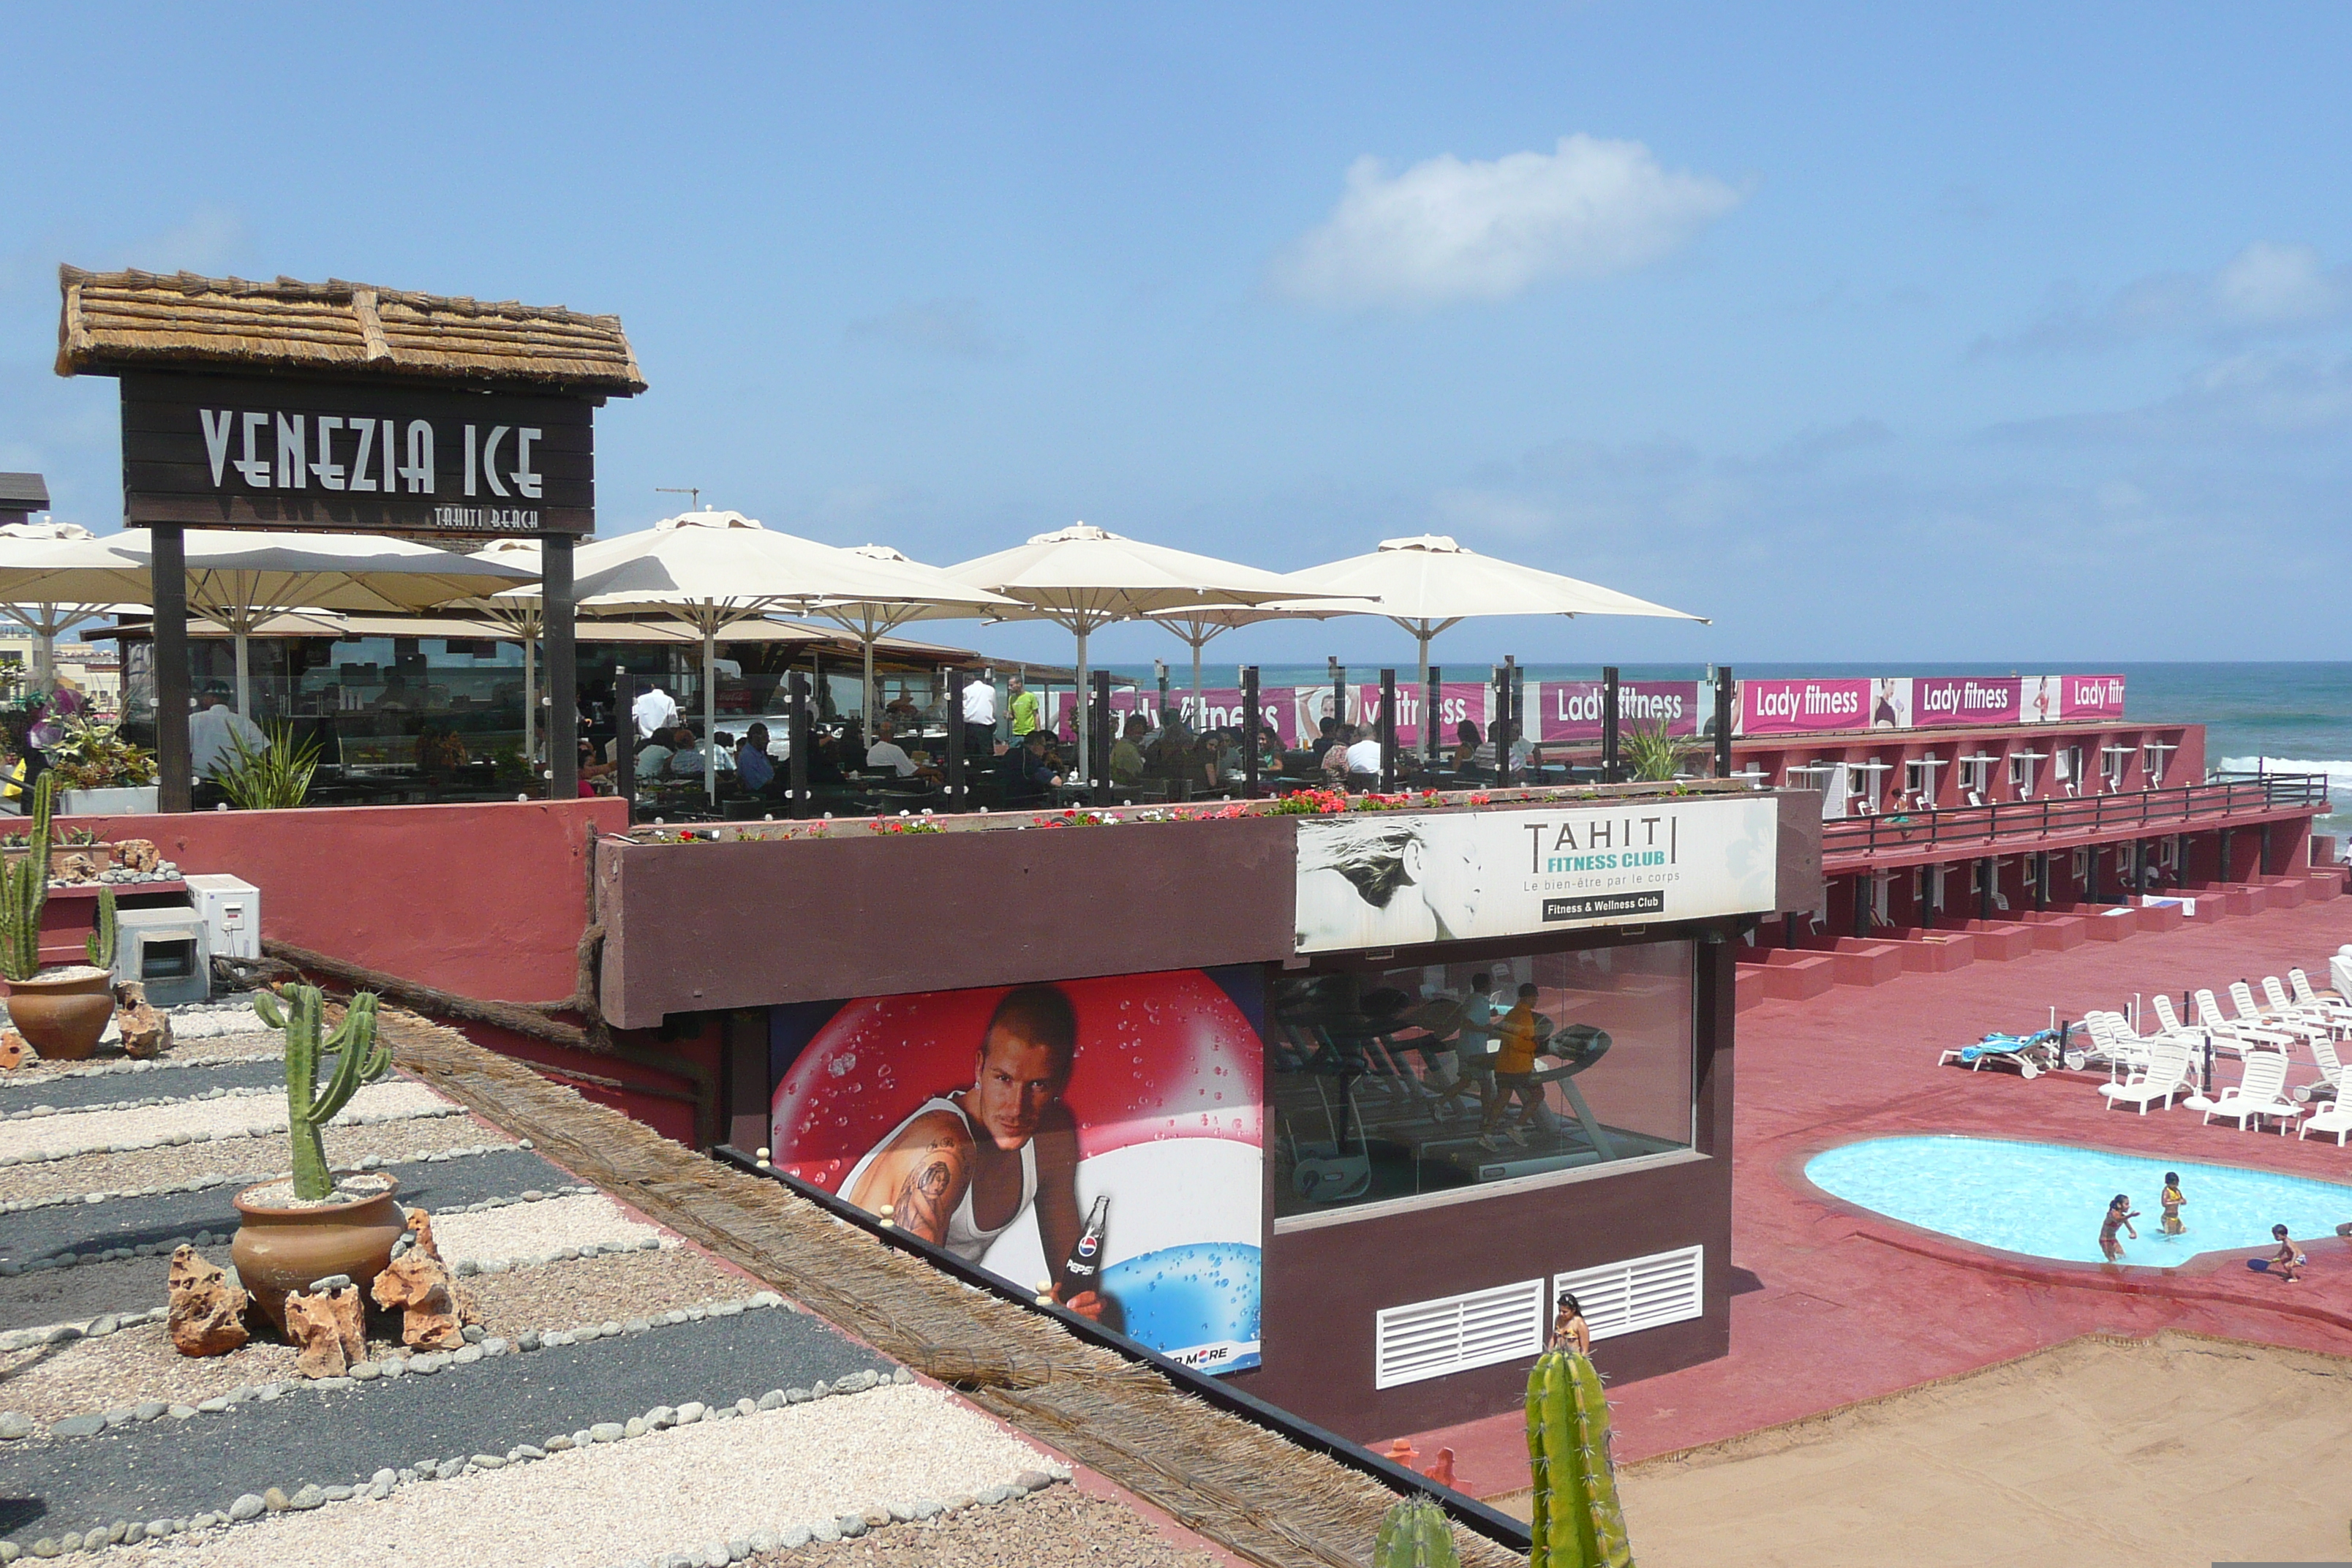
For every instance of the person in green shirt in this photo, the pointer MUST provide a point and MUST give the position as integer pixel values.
(1027, 719)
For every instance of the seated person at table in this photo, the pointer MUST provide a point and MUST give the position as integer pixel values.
(753, 764)
(1334, 761)
(653, 757)
(901, 710)
(1172, 755)
(1126, 752)
(686, 757)
(886, 752)
(1465, 746)
(1504, 731)
(590, 770)
(1029, 776)
(1364, 754)
(824, 762)
(1270, 757)
(1328, 738)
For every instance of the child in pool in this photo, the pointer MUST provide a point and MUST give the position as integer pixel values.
(2120, 1214)
(2173, 1202)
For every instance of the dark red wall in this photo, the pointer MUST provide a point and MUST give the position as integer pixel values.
(487, 900)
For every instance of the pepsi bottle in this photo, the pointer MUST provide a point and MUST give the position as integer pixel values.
(1086, 1258)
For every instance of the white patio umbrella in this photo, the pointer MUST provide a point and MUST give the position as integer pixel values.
(711, 569)
(1082, 578)
(942, 598)
(1199, 625)
(1429, 583)
(240, 578)
(45, 620)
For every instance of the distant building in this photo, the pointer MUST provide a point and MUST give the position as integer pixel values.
(22, 495)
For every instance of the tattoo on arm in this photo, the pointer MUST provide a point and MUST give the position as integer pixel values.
(925, 1198)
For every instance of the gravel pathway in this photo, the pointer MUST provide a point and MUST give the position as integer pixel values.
(534, 1230)
(683, 1489)
(163, 1082)
(1058, 1525)
(185, 1053)
(145, 1168)
(168, 1468)
(135, 1221)
(255, 1115)
(131, 1365)
(86, 1290)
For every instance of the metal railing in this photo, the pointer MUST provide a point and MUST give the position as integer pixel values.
(2223, 795)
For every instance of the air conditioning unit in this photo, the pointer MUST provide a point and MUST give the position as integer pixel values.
(231, 910)
(168, 951)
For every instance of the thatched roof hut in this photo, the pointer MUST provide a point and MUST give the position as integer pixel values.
(115, 322)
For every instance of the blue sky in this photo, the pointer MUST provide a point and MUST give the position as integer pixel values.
(1872, 332)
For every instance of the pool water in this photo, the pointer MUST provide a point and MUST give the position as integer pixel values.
(2046, 1200)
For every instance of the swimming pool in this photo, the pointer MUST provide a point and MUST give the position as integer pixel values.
(2046, 1199)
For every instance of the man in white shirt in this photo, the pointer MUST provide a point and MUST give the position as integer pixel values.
(215, 732)
(1364, 755)
(654, 709)
(886, 752)
(980, 715)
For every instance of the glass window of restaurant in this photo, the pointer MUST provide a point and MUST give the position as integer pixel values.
(1382, 1081)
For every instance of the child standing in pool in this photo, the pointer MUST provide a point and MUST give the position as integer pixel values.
(2173, 1202)
(2120, 1214)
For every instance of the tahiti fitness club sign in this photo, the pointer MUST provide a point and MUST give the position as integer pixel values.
(222, 452)
(1388, 880)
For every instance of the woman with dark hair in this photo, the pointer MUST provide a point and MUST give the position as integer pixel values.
(1567, 1329)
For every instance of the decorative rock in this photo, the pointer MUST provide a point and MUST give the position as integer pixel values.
(137, 854)
(528, 1340)
(634, 1426)
(78, 1426)
(308, 1498)
(13, 1426)
(273, 1500)
(78, 868)
(331, 1326)
(489, 1461)
(792, 1539)
(14, 1051)
(433, 1314)
(146, 1032)
(689, 1413)
(1033, 1480)
(606, 1432)
(468, 1355)
(148, 1410)
(773, 1400)
(208, 1310)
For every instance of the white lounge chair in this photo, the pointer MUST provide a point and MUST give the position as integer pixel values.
(2274, 994)
(2165, 1074)
(2235, 1037)
(2254, 1016)
(2262, 1092)
(2112, 1041)
(2336, 1119)
(2306, 997)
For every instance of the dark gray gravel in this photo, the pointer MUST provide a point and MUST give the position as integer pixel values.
(85, 1290)
(1060, 1524)
(169, 1468)
(163, 1083)
(55, 1228)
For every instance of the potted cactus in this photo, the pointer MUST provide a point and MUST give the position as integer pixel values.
(317, 1222)
(61, 1010)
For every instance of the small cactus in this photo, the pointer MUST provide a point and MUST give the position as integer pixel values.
(1576, 1522)
(1415, 1535)
(308, 1109)
(101, 944)
(25, 892)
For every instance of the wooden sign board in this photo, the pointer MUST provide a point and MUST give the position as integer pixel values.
(211, 451)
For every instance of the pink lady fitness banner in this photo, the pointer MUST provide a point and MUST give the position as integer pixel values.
(1797, 707)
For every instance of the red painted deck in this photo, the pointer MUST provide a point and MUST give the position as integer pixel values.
(1843, 1305)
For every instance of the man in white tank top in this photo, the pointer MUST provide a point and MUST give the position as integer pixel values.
(964, 1166)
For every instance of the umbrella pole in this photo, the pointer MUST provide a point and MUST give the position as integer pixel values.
(866, 697)
(1198, 723)
(45, 651)
(244, 696)
(1085, 760)
(710, 712)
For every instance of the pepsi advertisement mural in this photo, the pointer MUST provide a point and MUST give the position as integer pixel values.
(1101, 1135)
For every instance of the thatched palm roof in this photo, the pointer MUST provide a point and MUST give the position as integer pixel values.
(115, 322)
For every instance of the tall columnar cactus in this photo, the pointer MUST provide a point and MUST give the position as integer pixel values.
(25, 893)
(1415, 1535)
(308, 1109)
(1576, 1522)
(101, 943)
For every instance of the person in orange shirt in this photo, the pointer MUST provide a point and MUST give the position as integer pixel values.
(1515, 1073)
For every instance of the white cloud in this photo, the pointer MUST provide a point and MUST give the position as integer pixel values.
(2267, 289)
(1448, 229)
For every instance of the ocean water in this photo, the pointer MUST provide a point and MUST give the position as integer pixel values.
(2289, 717)
(2047, 1199)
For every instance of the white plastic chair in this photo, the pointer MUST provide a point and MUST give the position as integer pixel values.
(2305, 996)
(2165, 1074)
(2336, 1119)
(2235, 1037)
(2251, 1014)
(2262, 1092)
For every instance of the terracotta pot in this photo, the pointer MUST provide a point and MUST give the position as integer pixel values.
(63, 1013)
(277, 1250)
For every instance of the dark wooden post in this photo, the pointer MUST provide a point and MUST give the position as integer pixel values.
(797, 687)
(1339, 673)
(562, 670)
(1429, 707)
(1387, 731)
(1609, 737)
(1498, 728)
(624, 738)
(1519, 702)
(1099, 731)
(1256, 724)
(167, 574)
(955, 786)
(1159, 673)
(1723, 689)
(1987, 869)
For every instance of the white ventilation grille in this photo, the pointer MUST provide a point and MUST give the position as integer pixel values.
(1431, 1338)
(1640, 1293)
